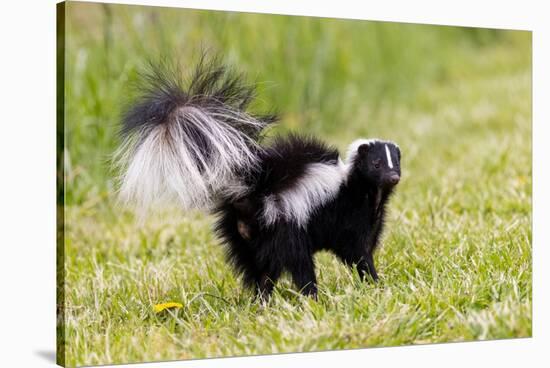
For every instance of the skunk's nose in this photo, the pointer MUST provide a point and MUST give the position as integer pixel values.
(394, 179)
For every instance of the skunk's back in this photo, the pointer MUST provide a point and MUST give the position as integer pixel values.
(298, 175)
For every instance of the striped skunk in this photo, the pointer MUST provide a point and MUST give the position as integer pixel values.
(193, 143)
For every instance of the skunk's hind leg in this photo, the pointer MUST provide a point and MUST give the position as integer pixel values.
(243, 253)
(266, 281)
(300, 263)
(289, 248)
(303, 275)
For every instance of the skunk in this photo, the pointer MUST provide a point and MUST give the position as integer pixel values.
(193, 143)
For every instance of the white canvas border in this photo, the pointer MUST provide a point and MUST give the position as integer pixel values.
(27, 184)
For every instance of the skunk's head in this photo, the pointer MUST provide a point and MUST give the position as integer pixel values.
(377, 161)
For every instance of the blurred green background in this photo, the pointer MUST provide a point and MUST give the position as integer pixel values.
(336, 78)
(455, 263)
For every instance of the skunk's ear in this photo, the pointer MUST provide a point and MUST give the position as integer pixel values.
(363, 150)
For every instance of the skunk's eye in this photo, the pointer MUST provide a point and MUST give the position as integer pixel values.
(376, 164)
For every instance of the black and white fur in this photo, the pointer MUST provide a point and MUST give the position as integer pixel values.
(196, 145)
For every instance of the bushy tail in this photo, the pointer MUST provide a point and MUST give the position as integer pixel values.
(188, 141)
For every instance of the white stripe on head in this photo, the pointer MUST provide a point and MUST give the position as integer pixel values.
(388, 157)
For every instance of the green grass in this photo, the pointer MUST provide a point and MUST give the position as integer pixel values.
(455, 263)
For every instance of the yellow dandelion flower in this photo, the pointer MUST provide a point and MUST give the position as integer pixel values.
(162, 306)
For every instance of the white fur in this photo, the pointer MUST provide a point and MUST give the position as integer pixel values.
(162, 165)
(272, 210)
(354, 147)
(320, 184)
(388, 157)
(235, 189)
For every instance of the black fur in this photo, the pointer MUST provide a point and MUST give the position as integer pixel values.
(348, 224)
(351, 224)
(162, 88)
(286, 159)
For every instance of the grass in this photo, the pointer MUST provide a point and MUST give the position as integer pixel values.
(455, 263)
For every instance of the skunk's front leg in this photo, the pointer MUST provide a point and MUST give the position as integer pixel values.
(366, 267)
(362, 260)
